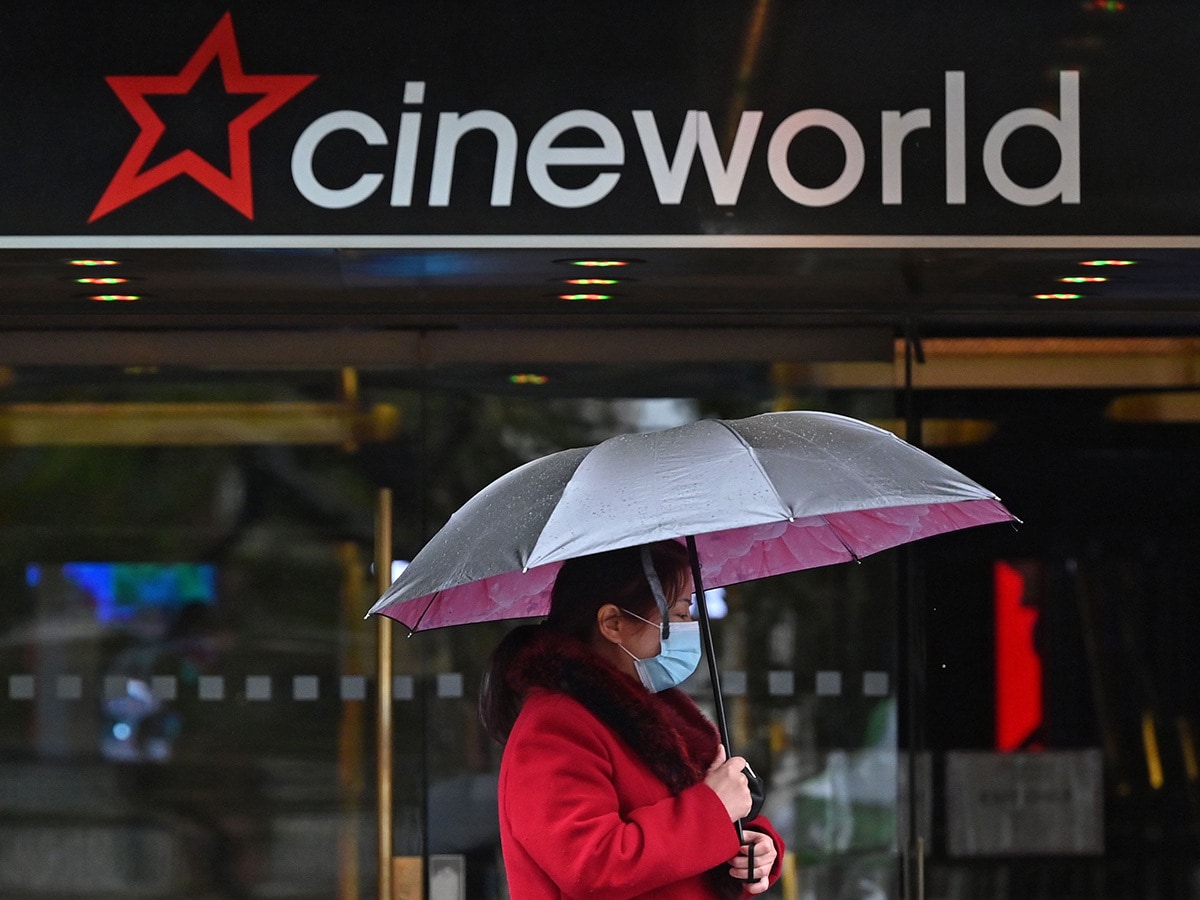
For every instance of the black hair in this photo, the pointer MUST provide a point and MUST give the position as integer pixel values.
(583, 585)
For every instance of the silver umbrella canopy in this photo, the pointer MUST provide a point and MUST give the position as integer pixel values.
(760, 496)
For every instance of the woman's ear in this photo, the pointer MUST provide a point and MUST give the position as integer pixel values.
(608, 622)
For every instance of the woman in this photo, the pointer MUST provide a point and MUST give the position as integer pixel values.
(613, 784)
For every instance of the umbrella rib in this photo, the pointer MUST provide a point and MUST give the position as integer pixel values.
(758, 465)
(837, 534)
(421, 617)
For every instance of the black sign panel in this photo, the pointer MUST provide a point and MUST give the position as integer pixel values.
(717, 121)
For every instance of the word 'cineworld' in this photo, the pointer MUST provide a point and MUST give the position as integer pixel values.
(725, 176)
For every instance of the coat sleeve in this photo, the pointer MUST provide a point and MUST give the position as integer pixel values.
(559, 795)
(764, 826)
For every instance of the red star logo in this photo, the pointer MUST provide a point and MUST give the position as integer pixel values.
(131, 182)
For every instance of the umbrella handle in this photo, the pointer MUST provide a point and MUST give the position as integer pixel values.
(715, 678)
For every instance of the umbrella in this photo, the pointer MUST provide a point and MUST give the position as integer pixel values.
(753, 497)
(761, 496)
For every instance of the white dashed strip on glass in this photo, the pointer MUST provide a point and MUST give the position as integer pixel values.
(733, 684)
(258, 687)
(781, 683)
(306, 687)
(20, 687)
(450, 685)
(402, 687)
(829, 684)
(211, 687)
(68, 687)
(354, 687)
(164, 687)
(875, 684)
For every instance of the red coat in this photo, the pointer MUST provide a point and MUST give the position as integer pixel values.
(601, 788)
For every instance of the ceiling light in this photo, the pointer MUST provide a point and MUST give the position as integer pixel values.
(1109, 262)
(591, 281)
(94, 262)
(528, 378)
(1057, 296)
(598, 263)
(585, 296)
(110, 298)
(1083, 279)
(101, 280)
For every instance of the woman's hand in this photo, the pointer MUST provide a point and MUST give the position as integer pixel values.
(764, 860)
(727, 780)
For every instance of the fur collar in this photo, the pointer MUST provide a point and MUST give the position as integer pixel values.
(666, 729)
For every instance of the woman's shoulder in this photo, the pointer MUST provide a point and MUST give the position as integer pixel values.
(541, 703)
(546, 710)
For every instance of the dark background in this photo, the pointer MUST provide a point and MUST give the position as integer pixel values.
(65, 132)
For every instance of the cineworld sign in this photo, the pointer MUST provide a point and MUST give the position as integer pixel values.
(366, 123)
(670, 160)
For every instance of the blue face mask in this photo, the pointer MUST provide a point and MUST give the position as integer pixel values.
(676, 660)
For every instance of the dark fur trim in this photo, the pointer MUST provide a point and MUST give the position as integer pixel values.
(666, 730)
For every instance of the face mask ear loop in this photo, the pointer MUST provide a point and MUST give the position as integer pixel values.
(656, 590)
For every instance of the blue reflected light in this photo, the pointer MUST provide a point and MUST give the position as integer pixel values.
(410, 265)
(119, 590)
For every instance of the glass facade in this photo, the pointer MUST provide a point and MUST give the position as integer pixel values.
(235, 326)
(187, 684)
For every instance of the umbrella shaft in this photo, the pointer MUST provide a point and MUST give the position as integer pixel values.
(707, 640)
(711, 656)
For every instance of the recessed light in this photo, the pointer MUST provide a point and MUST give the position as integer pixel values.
(117, 298)
(598, 263)
(94, 262)
(101, 280)
(1057, 296)
(528, 378)
(1083, 279)
(591, 281)
(1109, 262)
(585, 296)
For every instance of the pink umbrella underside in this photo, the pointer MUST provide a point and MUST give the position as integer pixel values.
(727, 557)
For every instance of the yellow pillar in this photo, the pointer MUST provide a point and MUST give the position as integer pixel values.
(383, 674)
